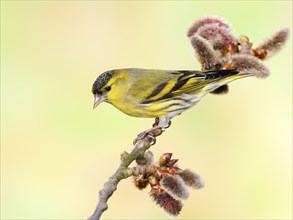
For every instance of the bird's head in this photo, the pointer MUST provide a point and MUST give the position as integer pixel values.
(102, 86)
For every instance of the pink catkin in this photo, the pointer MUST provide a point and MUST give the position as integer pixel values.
(207, 20)
(168, 203)
(205, 53)
(219, 37)
(275, 42)
(249, 64)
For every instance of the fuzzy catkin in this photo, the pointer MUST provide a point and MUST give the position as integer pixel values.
(175, 186)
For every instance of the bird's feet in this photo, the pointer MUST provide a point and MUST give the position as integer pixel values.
(152, 133)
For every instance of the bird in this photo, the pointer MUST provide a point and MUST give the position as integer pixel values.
(159, 94)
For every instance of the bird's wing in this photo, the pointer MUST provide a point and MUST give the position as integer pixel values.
(148, 85)
(157, 85)
(154, 85)
(194, 82)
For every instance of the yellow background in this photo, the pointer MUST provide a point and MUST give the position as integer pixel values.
(56, 152)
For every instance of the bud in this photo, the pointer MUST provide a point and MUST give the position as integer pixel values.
(158, 173)
(228, 66)
(124, 155)
(153, 181)
(140, 182)
(243, 40)
(165, 158)
(245, 45)
(173, 170)
(141, 160)
(172, 162)
(260, 53)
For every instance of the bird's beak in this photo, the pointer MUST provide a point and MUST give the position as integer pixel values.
(99, 99)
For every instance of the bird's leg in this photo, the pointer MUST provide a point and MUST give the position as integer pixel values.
(157, 120)
(158, 127)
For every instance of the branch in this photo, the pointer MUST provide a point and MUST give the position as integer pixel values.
(216, 48)
(122, 172)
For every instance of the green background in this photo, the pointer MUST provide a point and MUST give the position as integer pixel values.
(56, 152)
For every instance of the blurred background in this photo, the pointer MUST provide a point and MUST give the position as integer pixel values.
(56, 152)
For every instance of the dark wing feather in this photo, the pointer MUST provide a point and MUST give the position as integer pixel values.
(185, 82)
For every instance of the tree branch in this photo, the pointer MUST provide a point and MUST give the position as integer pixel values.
(216, 48)
(122, 172)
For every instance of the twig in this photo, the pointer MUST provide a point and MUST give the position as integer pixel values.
(216, 48)
(122, 172)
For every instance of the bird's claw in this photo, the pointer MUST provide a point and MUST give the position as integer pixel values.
(143, 135)
(169, 124)
(150, 134)
(140, 137)
(156, 123)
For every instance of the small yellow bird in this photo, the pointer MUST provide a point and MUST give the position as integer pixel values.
(160, 94)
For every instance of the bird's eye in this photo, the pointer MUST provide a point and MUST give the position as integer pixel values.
(108, 88)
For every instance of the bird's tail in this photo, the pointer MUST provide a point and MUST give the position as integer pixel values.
(233, 73)
(220, 78)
